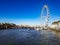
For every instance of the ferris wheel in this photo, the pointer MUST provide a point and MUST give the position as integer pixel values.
(46, 17)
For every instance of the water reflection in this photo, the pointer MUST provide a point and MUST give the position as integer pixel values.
(29, 37)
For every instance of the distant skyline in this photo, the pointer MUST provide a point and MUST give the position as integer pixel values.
(27, 11)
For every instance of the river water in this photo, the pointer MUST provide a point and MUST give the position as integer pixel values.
(29, 37)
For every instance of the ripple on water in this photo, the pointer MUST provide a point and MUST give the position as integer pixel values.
(29, 37)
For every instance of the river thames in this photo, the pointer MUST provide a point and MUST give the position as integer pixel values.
(29, 37)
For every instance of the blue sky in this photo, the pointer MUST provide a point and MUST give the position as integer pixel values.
(27, 11)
